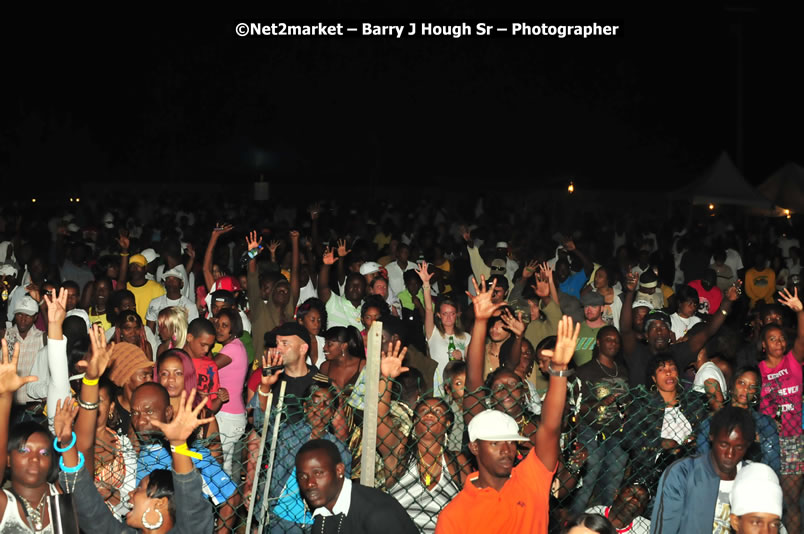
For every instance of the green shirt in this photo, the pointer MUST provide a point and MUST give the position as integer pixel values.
(586, 344)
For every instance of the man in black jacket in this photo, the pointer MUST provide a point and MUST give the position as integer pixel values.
(340, 506)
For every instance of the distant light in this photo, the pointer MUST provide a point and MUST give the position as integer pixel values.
(71, 199)
(787, 212)
(77, 199)
(788, 216)
(711, 206)
(571, 188)
(33, 200)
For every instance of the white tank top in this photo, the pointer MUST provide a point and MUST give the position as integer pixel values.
(12, 523)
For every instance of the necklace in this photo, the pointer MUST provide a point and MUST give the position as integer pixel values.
(324, 522)
(34, 514)
(427, 476)
(603, 368)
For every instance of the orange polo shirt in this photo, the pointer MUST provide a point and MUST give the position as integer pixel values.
(521, 506)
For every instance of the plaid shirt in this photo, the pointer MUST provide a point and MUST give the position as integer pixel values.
(29, 347)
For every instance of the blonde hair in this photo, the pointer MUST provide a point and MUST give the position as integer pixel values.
(174, 318)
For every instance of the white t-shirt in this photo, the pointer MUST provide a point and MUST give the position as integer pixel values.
(639, 525)
(396, 281)
(188, 281)
(707, 371)
(675, 426)
(680, 326)
(160, 303)
(733, 260)
(307, 292)
(723, 507)
(438, 344)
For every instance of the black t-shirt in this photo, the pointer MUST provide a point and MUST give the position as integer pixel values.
(294, 392)
(597, 383)
(638, 360)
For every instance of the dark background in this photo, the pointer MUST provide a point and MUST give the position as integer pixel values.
(162, 98)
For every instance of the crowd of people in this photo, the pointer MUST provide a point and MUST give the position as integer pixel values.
(612, 376)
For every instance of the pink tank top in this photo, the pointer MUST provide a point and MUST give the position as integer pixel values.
(781, 394)
(233, 376)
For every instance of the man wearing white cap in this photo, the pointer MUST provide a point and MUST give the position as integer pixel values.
(501, 498)
(150, 269)
(173, 282)
(29, 338)
(756, 501)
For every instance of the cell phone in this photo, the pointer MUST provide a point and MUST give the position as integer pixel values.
(268, 371)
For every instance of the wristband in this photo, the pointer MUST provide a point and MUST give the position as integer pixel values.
(87, 405)
(75, 469)
(561, 374)
(65, 449)
(259, 391)
(124, 254)
(184, 451)
(90, 382)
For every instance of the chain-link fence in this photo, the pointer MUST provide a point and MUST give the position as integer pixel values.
(611, 439)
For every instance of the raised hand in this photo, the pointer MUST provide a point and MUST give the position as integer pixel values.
(315, 210)
(185, 420)
(530, 268)
(342, 251)
(733, 292)
(631, 281)
(484, 308)
(294, 235)
(391, 363)
(124, 242)
(566, 342)
(546, 272)
(272, 246)
(272, 358)
(57, 307)
(101, 354)
(424, 274)
(221, 229)
(329, 257)
(514, 324)
(791, 301)
(10, 381)
(66, 411)
(251, 240)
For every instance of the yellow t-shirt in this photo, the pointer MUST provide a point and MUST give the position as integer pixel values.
(100, 319)
(145, 294)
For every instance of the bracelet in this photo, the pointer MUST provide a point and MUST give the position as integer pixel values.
(724, 312)
(259, 390)
(124, 254)
(184, 451)
(75, 469)
(90, 382)
(88, 405)
(65, 449)
(561, 374)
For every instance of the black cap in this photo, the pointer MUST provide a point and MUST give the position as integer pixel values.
(292, 328)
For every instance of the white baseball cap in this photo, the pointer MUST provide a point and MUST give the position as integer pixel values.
(7, 269)
(78, 312)
(108, 220)
(370, 267)
(756, 489)
(26, 305)
(642, 303)
(493, 425)
(150, 254)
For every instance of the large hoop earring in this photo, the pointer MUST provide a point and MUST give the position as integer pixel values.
(152, 526)
(653, 387)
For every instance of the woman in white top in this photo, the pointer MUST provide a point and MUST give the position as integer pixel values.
(33, 463)
(312, 315)
(445, 339)
(684, 319)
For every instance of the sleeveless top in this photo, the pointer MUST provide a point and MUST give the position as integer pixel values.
(423, 505)
(12, 523)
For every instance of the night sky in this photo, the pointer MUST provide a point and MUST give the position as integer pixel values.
(157, 98)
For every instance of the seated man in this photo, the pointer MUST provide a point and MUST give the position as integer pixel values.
(694, 492)
(346, 507)
(756, 500)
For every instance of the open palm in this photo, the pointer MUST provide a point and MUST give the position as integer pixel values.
(10, 381)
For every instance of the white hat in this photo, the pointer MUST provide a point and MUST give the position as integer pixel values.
(501, 244)
(7, 269)
(78, 312)
(756, 489)
(370, 267)
(174, 272)
(108, 220)
(27, 305)
(150, 254)
(642, 303)
(72, 227)
(493, 425)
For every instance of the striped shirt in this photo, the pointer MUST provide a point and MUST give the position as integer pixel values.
(29, 347)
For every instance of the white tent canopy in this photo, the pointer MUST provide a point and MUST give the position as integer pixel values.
(785, 187)
(723, 184)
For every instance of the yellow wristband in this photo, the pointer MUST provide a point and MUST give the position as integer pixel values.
(184, 451)
(89, 382)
